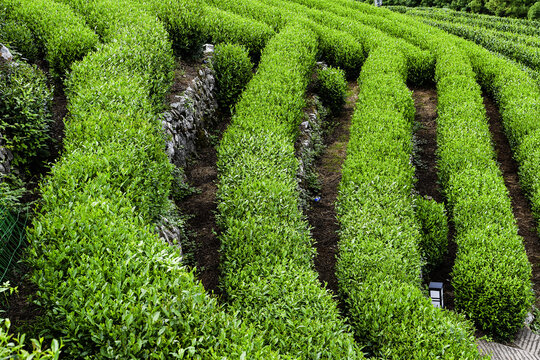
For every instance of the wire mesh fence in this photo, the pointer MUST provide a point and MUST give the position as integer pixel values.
(12, 239)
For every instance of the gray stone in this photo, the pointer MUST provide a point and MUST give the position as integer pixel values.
(5, 54)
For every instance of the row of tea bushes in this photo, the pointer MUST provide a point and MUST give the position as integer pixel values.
(226, 27)
(476, 29)
(267, 253)
(335, 47)
(517, 26)
(109, 286)
(491, 275)
(25, 114)
(61, 34)
(419, 63)
(509, 46)
(379, 264)
(497, 301)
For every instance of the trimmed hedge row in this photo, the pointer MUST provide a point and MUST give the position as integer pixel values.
(478, 27)
(528, 55)
(226, 27)
(419, 63)
(491, 275)
(335, 47)
(498, 300)
(379, 264)
(109, 286)
(61, 34)
(267, 253)
(25, 114)
(519, 26)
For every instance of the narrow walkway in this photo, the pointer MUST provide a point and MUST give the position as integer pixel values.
(425, 162)
(201, 174)
(526, 346)
(322, 215)
(521, 208)
(202, 208)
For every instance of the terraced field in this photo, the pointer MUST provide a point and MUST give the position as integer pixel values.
(356, 154)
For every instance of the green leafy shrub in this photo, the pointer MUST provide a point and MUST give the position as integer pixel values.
(62, 34)
(267, 255)
(226, 27)
(332, 88)
(534, 11)
(108, 285)
(379, 262)
(491, 275)
(232, 71)
(13, 347)
(434, 225)
(18, 37)
(25, 113)
(182, 20)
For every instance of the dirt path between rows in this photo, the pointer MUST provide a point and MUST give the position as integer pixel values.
(202, 208)
(322, 215)
(425, 161)
(520, 205)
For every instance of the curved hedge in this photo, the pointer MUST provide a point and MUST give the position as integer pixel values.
(379, 264)
(62, 35)
(335, 47)
(498, 302)
(491, 275)
(109, 286)
(267, 255)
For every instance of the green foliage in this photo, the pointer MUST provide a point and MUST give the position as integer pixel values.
(379, 263)
(182, 21)
(337, 48)
(491, 275)
(233, 70)
(60, 33)
(108, 285)
(18, 37)
(267, 255)
(226, 27)
(13, 347)
(434, 227)
(534, 11)
(332, 88)
(25, 113)
(467, 160)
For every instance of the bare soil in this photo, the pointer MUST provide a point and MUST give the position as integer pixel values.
(201, 174)
(520, 205)
(322, 215)
(425, 159)
(202, 209)
(186, 70)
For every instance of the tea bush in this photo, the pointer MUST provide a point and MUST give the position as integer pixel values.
(61, 34)
(18, 38)
(226, 27)
(108, 285)
(266, 253)
(332, 88)
(434, 225)
(232, 71)
(25, 113)
(491, 275)
(379, 262)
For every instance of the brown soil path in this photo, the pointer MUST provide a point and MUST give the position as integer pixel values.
(520, 205)
(425, 161)
(322, 215)
(202, 209)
